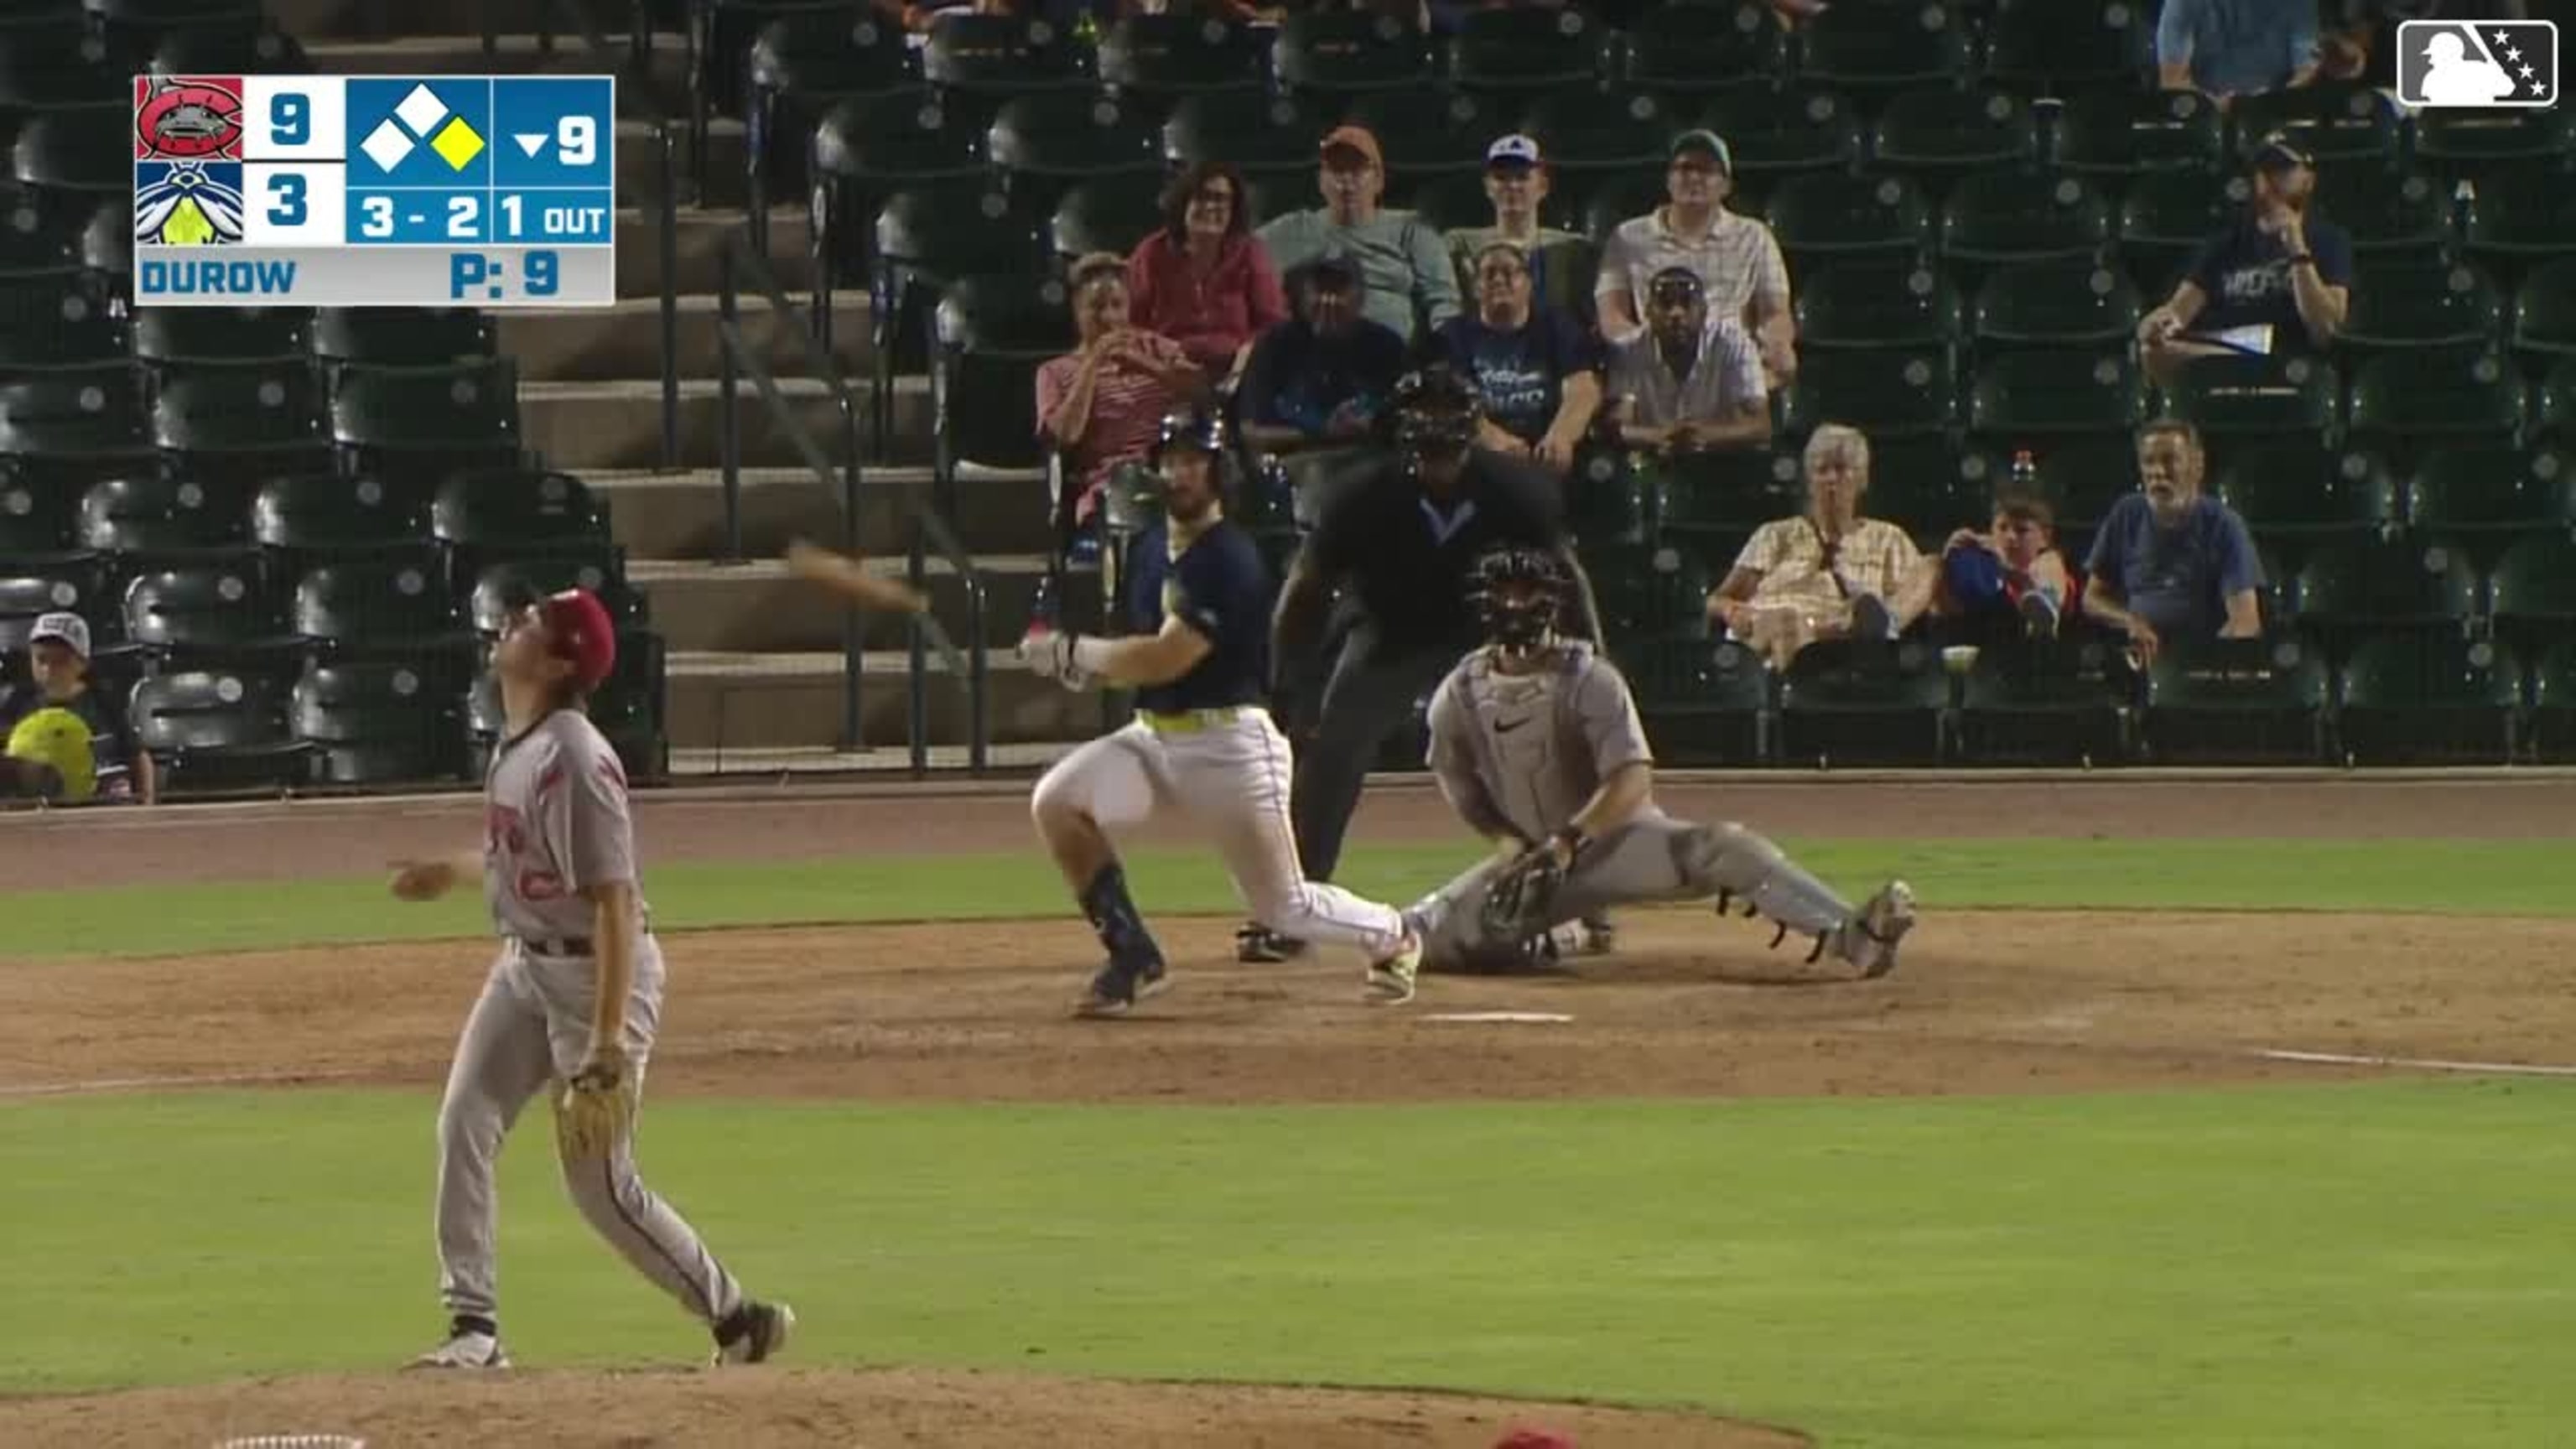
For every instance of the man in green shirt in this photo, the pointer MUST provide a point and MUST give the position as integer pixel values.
(1412, 285)
(1561, 264)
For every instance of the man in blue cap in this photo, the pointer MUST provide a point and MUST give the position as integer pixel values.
(2274, 281)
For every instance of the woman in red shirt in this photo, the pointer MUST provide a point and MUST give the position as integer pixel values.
(1203, 279)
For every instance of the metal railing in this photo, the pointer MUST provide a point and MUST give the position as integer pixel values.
(929, 529)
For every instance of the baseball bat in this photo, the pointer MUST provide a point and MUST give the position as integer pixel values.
(849, 578)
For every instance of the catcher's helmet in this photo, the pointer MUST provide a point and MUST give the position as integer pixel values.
(1518, 591)
(1436, 410)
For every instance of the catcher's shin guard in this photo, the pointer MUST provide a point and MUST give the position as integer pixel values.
(1736, 865)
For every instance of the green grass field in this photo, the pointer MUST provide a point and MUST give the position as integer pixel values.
(2346, 1265)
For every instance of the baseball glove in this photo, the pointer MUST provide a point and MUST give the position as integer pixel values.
(1517, 904)
(596, 1109)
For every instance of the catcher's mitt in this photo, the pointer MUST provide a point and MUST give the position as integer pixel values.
(596, 1109)
(1517, 904)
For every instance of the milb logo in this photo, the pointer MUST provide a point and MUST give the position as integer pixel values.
(2478, 64)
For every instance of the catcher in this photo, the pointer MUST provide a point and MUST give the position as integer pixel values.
(1536, 745)
(575, 997)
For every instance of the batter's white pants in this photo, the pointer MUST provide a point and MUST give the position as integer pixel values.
(1230, 776)
(532, 1026)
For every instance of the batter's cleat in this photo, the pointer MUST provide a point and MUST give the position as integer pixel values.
(1257, 945)
(1869, 941)
(467, 1347)
(1598, 936)
(753, 1334)
(1390, 982)
(1119, 986)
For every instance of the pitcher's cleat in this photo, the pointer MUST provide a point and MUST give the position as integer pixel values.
(1870, 939)
(754, 1334)
(1390, 982)
(468, 1347)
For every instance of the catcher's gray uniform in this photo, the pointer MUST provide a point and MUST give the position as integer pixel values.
(1518, 755)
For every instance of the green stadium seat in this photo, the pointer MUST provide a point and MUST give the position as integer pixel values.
(930, 235)
(1590, 133)
(2068, 47)
(387, 607)
(2556, 420)
(1347, 52)
(1658, 593)
(182, 336)
(2032, 394)
(2544, 312)
(1527, 50)
(2406, 402)
(2391, 213)
(1873, 51)
(1863, 703)
(376, 724)
(2532, 593)
(242, 42)
(2349, 586)
(1778, 133)
(866, 150)
(1179, 53)
(1999, 219)
(1728, 495)
(2261, 395)
(1826, 217)
(993, 334)
(2551, 726)
(2082, 477)
(428, 423)
(1607, 503)
(2520, 218)
(484, 515)
(1104, 214)
(35, 521)
(1943, 134)
(271, 410)
(160, 516)
(2458, 144)
(382, 337)
(38, 233)
(1424, 132)
(1707, 703)
(983, 59)
(2303, 488)
(726, 37)
(1877, 304)
(1047, 140)
(2074, 302)
(2045, 704)
(2398, 305)
(94, 413)
(2412, 700)
(2165, 216)
(69, 152)
(1269, 137)
(57, 320)
(220, 729)
(2331, 120)
(2116, 134)
(217, 612)
(31, 587)
(1887, 393)
(2493, 489)
(310, 515)
(2237, 702)
(57, 62)
(1685, 50)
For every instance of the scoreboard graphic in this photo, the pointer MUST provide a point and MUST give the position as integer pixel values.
(375, 191)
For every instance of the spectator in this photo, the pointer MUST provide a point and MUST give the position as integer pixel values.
(1201, 279)
(2231, 48)
(1412, 289)
(1560, 263)
(1103, 402)
(1736, 258)
(1692, 382)
(1539, 372)
(1319, 379)
(2273, 281)
(2171, 564)
(1829, 573)
(68, 742)
(2011, 574)
(2361, 40)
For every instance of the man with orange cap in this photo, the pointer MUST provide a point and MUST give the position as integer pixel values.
(1411, 288)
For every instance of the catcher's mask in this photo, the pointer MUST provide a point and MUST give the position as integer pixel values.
(1436, 411)
(1517, 591)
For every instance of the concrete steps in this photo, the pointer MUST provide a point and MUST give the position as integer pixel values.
(681, 515)
(701, 239)
(624, 342)
(756, 605)
(586, 427)
(730, 701)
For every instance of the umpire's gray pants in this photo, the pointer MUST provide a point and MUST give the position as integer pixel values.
(1372, 694)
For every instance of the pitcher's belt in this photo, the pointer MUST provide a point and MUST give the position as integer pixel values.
(1192, 721)
(565, 945)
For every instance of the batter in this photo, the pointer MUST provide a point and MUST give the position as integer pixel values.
(1536, 745)
(574, 997)
(1198, 600)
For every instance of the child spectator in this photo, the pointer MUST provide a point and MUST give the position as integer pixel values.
(2012, 575)
(68, 742)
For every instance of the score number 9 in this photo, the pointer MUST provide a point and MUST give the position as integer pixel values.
(290, 118)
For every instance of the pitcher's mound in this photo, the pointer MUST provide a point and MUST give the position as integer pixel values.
(844, 1409)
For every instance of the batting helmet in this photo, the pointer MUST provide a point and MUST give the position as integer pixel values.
(1518, 592)
(58, 742)
(1436, 410)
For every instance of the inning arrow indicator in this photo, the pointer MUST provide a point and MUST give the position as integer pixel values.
(531, 142)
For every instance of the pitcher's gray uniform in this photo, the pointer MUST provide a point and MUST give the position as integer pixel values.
(555, 824)
(1519, 755)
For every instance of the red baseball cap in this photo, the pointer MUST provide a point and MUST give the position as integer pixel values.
(582, 635)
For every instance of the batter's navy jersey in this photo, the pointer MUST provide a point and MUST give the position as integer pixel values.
(1407, 557)
(1218, 586)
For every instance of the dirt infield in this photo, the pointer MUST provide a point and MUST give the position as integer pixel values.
(1691, 1005)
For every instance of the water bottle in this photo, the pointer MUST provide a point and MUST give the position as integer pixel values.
(2025, 472)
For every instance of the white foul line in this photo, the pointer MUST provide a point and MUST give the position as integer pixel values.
(2419, 1064)
(175, 1080)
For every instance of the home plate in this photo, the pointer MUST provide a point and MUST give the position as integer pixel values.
(1540, 1017)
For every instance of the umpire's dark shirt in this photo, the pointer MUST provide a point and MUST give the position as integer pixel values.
(1407, 558)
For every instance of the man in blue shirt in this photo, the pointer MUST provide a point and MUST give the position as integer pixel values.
(1318, 379)
(2274, 281)
(2170, 564)
(2230, 48)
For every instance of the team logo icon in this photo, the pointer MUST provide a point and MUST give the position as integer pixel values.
(187, 118)
(187, 203)
(2477, 64)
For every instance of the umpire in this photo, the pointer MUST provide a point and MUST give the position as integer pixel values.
(1401, 540)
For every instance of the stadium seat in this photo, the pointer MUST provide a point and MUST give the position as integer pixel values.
(2070, 302)
(71, 153)
(1863, 703)
(2532, 593)
(2407, 401)
(1426, 131)
(1833, 216)
(38, 233)
(2056, 703)
(1104, 214)
(243, 43)
(1457, 201)
(2493, 489)
(2392, 214)
(241, 420)
(1871, 52)
(2401, 305)
(488, 514)
(993, 334)
(867, 147)
(1045, 141)
(2544, 312)
(60, 319)
(1347, 52)
(89, 413)
(2458, 144)
(54, 63)
(392, 606)
(2237, 702)
(1778, 133)
(1589, 133)
(980, 60)
(2303, 488)
(1877, 304)
(2011, 218)
(311, 515)
(2551, 725)
(2410, 700)
(401, 337)
(2331, 120)
(1527, 50)
(1688, 50)
(2083, 477)
(218, 612)
(2068, 47)
(371, 724)
(426, 424)
(1268, 137)
(926, 237)
(724, 34)
(1923, 486)
(218, 729)
(2258, 395)
(2519, 218)
(2396, 580)
(1706, 702)
(2165, 217)
(35, 522)
(487, 604)
(1649, 593)
(31, 587)
(1942, 134)
(2033, 394)
(198, 335)
(1177, 53)
(158, 516)
(1885, 393)
(1727, 495)
(798, 65)
(2556, 420)
(2116, 134)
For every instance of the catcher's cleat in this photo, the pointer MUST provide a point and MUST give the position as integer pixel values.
(1389, 982)
(1869, 939)
(1257, 945)
(467, 1347)
(1598, 936)
(754, 1333)
(1119, 986)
